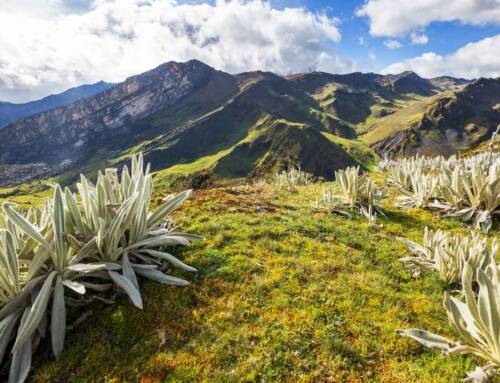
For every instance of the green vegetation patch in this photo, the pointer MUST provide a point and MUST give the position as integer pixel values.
(410, 111)
(28, 194)
(284, 294)
(357, 149)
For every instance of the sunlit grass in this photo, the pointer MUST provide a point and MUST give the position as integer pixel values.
(284, 294)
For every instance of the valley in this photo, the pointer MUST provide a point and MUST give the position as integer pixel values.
(188, 119)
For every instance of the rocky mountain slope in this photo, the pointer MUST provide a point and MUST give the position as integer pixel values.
(10, 112)
(189, 118)
(461, 120)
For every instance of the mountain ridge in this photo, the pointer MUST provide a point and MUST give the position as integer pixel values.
(10, 112)
(462, 120)
(247, 124)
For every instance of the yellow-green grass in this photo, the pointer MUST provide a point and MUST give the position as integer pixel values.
(201, 163)
(284, 293)
(26, 195)
(357, 149)
(166, 176)
(379, 128)
(325, 96)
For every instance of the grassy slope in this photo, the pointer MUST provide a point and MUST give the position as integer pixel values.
(166, 176)
(27, 195)
(283, 295)
(411, 111)
(357, 149)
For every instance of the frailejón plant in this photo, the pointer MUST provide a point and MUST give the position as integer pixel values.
(76, 245)
(292, 178)
(476, 319)
(354, 192)
(447, 254)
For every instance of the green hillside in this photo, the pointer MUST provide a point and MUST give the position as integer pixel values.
(406, 113)
(284, 293)
(190, 119)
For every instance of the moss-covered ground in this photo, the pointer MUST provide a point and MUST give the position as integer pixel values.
(284, 293)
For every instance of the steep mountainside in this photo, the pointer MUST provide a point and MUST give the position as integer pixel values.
(448, 82)
(10, 112)
(177, 114)
(461, 120)
(66, 137)
(189, 117)
(409, 82)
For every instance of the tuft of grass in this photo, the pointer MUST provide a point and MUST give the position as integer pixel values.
(284, 294)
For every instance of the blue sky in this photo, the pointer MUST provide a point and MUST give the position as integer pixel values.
(48, 46)
(444, 37)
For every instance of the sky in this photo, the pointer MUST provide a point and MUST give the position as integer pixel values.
(48, 46)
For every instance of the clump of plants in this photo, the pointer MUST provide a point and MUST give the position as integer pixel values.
(79, 246)
(353, 193)
(475, 316)
(471, 192)
(448, 254)
(422, 191)
(292, 178)
(467, 188)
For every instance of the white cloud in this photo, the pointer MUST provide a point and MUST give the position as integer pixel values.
(50, 47)
(477, 59)
(396, 18)
(42, 8)
(417, 39)
(393, 44)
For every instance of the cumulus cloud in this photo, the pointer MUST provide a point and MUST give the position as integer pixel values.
(477, 59)
(396, 18)
(393, 44)
(417, 39)
(52, 47)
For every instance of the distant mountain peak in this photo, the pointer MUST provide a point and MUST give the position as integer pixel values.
(409, 82)
(10, 112)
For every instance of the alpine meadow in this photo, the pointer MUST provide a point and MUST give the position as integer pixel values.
(249, 191)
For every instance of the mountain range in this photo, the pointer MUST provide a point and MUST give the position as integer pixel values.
(10, 112)
(189, 118)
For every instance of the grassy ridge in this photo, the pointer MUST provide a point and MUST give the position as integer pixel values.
(26, 195)
(357, 149)
(284, 294)
(409, 112)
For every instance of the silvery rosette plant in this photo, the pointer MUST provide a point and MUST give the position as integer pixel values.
(78, 246)
(357, 193)
(466, 188)
(38, 266)
(423, 190)
(447, 254)
(292, 178)
(482, 191)
(117, 213)
(475, 318)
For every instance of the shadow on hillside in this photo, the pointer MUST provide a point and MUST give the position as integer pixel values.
(120, 336)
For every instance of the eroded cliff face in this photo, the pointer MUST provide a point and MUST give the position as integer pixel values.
(60, 136)
(10, 112)
(461, 121)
